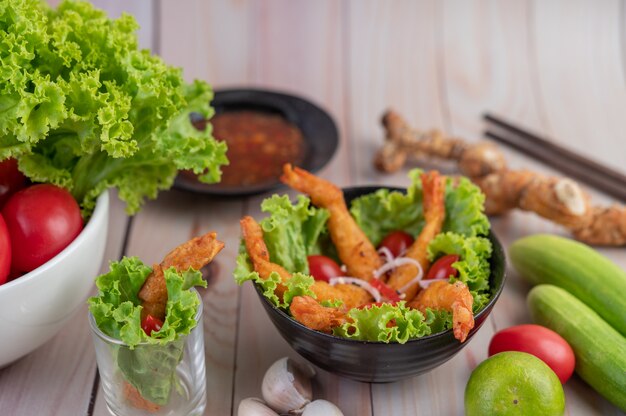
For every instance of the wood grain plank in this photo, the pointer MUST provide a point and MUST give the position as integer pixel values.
(57, 378)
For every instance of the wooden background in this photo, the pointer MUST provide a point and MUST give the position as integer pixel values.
(557, 67)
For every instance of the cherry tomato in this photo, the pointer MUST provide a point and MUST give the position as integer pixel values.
(150, 323)
(5, 252)
(397, 242)
(539, 341)
(323, 268)
(442, 268)
(11, 180)
(385, 290)
(42, 220)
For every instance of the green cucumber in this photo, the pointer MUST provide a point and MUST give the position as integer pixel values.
(577, 268)
(599, 349)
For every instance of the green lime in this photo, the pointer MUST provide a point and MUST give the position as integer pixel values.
(514, 383)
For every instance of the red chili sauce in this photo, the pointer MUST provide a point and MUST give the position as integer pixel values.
(259, 144)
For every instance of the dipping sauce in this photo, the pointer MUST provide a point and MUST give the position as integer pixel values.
(259, 144)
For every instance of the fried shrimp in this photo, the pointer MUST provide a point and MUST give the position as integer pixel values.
(350, 295)
(195, 253)
(354, 248)
(454, 297)
(434, 214)
(311, 314)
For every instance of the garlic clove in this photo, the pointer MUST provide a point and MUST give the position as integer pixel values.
(287, 385)
(254, 407)
(321, 408)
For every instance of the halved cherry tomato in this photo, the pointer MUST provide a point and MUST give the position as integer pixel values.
(11, 180)
(323, 268)
(397, 242)
(42, 220)
(442, 268)
(385, 290)
(150, 323)
(539, 341)
(5, 252)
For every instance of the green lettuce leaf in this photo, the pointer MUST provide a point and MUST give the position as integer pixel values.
(147, 362)
(292, 231)
(83, 108)
(473, 266)
(371, 324)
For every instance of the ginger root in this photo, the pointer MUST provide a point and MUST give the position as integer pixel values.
(560, 200)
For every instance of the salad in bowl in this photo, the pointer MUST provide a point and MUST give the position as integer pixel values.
(392, 267)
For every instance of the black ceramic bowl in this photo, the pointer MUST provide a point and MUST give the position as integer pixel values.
(318, 129)
(378, 362)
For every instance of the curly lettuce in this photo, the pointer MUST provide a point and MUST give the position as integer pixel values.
(83, 108)
(148, 362)
(473, 266)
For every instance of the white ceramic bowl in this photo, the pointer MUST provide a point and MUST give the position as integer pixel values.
(35, 306)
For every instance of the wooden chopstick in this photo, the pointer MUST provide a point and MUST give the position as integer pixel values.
(571, 163)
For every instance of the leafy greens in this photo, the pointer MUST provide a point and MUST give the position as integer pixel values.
(81, 107)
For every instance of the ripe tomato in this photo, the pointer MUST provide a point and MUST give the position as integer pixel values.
(5, 252)
(385, 290)
(11, 180)
(539, 341)
(442, 268)
(150, 323)
(397, 242)
(42, 220)
(323, 268)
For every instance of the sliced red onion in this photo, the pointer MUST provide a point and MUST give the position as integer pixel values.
(342, 280)
(427, 282)
(416, 279)
(387, 253)
(397, 262)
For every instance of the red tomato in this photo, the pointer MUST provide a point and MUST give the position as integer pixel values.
(385, 290)
(150, 323)
(539, 341)
(5, 252)
(11, 180)
(397, 242)
(442, 268)
(42, 220)
(323, 268)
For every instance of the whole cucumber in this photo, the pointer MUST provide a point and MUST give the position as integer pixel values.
(599, 349)
(577, 268)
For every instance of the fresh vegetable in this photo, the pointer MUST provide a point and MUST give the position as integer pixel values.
(150, 324)
(442, 267)
(577, 268)
(397, 242)
(599, 348)
(5, 252)
(11, 180)
(513, 383)
(323, 268)
(42, 220)
(148, 362)
(539, 341)
(294, 231)
(83, 108)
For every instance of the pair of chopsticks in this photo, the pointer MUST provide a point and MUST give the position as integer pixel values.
(571, 163)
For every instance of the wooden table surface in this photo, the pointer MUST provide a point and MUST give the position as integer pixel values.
(557, 67)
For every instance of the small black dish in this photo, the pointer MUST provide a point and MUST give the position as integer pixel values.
(379, 362)
(317, 126)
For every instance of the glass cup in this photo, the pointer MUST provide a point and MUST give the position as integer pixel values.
(153, 380)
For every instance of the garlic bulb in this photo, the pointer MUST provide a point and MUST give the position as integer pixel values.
(321, 408)
(254, 407)
(287, 385)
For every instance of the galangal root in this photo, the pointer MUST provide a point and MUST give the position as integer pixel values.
(560, 200)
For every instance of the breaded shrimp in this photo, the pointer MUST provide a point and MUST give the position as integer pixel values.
(195, 253)
(434, 213)
(351, 296)
(353, 246)
(454, 297)
(311, 314)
